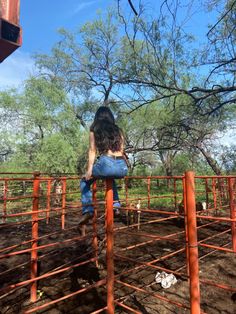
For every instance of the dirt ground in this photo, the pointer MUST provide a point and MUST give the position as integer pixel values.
(218, 267)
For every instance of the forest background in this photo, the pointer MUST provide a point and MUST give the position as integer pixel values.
(173, 97)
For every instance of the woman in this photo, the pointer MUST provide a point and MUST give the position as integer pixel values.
(107, 140)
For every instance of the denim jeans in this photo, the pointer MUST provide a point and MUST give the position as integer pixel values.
(104, 167)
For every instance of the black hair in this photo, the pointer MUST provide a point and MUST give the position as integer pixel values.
(103, 113)
(108, 136)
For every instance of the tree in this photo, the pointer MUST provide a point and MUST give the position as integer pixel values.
(141, 68)
(168, 131)
(172, 57)
(220, 54)
(47, 135)
(227, 158)
(86, 62)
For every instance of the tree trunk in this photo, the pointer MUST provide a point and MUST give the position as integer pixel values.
(211, 162)
(167, 163)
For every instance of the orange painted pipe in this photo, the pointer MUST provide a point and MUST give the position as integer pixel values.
(65, 297)
(232, 211)
(5, 199)
(48, 201)
(34, 252)
(207, 193)
(154, 294)
(63, 206)
(215, 247)
(149, 190)
(193, 243)
(130, 309)
(186, 223)
(95, 238)
(110, 244)
(175, 195)
(214, 193)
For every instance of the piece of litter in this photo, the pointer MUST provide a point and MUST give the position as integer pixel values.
(166, 280)
(204, 205)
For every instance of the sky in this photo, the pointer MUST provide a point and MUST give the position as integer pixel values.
(41, 19)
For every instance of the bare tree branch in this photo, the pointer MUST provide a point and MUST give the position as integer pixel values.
(221, 19)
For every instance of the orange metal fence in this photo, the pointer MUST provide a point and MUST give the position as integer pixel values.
(167, 225)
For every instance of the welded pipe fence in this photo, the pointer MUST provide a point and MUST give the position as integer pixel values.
(166, 225)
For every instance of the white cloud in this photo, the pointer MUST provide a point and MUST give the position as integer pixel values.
(15, 69)
(83, 6)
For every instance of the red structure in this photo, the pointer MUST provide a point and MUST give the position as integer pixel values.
(184, 226)
(10, 31)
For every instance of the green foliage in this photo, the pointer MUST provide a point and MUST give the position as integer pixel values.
(227, 157)
(142, 70)
(56, 155)
(47, 135)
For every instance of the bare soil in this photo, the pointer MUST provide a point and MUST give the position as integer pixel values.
(218, 267)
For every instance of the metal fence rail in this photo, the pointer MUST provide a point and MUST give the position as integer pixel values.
(166, 224)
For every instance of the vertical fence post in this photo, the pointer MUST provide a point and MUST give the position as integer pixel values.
(192, 244)
(214, 194)
(63, 203)
(95, 237)
(185, 222)
(220, 192)
(126, 191)
(126, 200)
(207, 195)
(148, 190)
(175, 196)
(232, 211)
(5, 188)
(34, 252)
(110, 244)
(48, 201)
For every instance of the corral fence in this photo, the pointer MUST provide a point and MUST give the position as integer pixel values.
(167, 230)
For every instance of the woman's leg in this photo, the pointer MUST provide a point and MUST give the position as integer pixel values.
(120, 169)
(86, 196)
(116, 201)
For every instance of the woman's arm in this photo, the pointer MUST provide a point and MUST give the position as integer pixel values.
(91, 155)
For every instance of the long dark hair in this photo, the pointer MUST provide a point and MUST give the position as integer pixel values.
(108, 136)
(103, 113)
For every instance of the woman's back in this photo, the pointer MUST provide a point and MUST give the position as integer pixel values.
(108, 137)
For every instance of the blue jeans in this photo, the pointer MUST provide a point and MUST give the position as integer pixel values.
(104, 167)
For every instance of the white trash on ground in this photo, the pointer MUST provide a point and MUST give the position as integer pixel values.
(166, 280)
